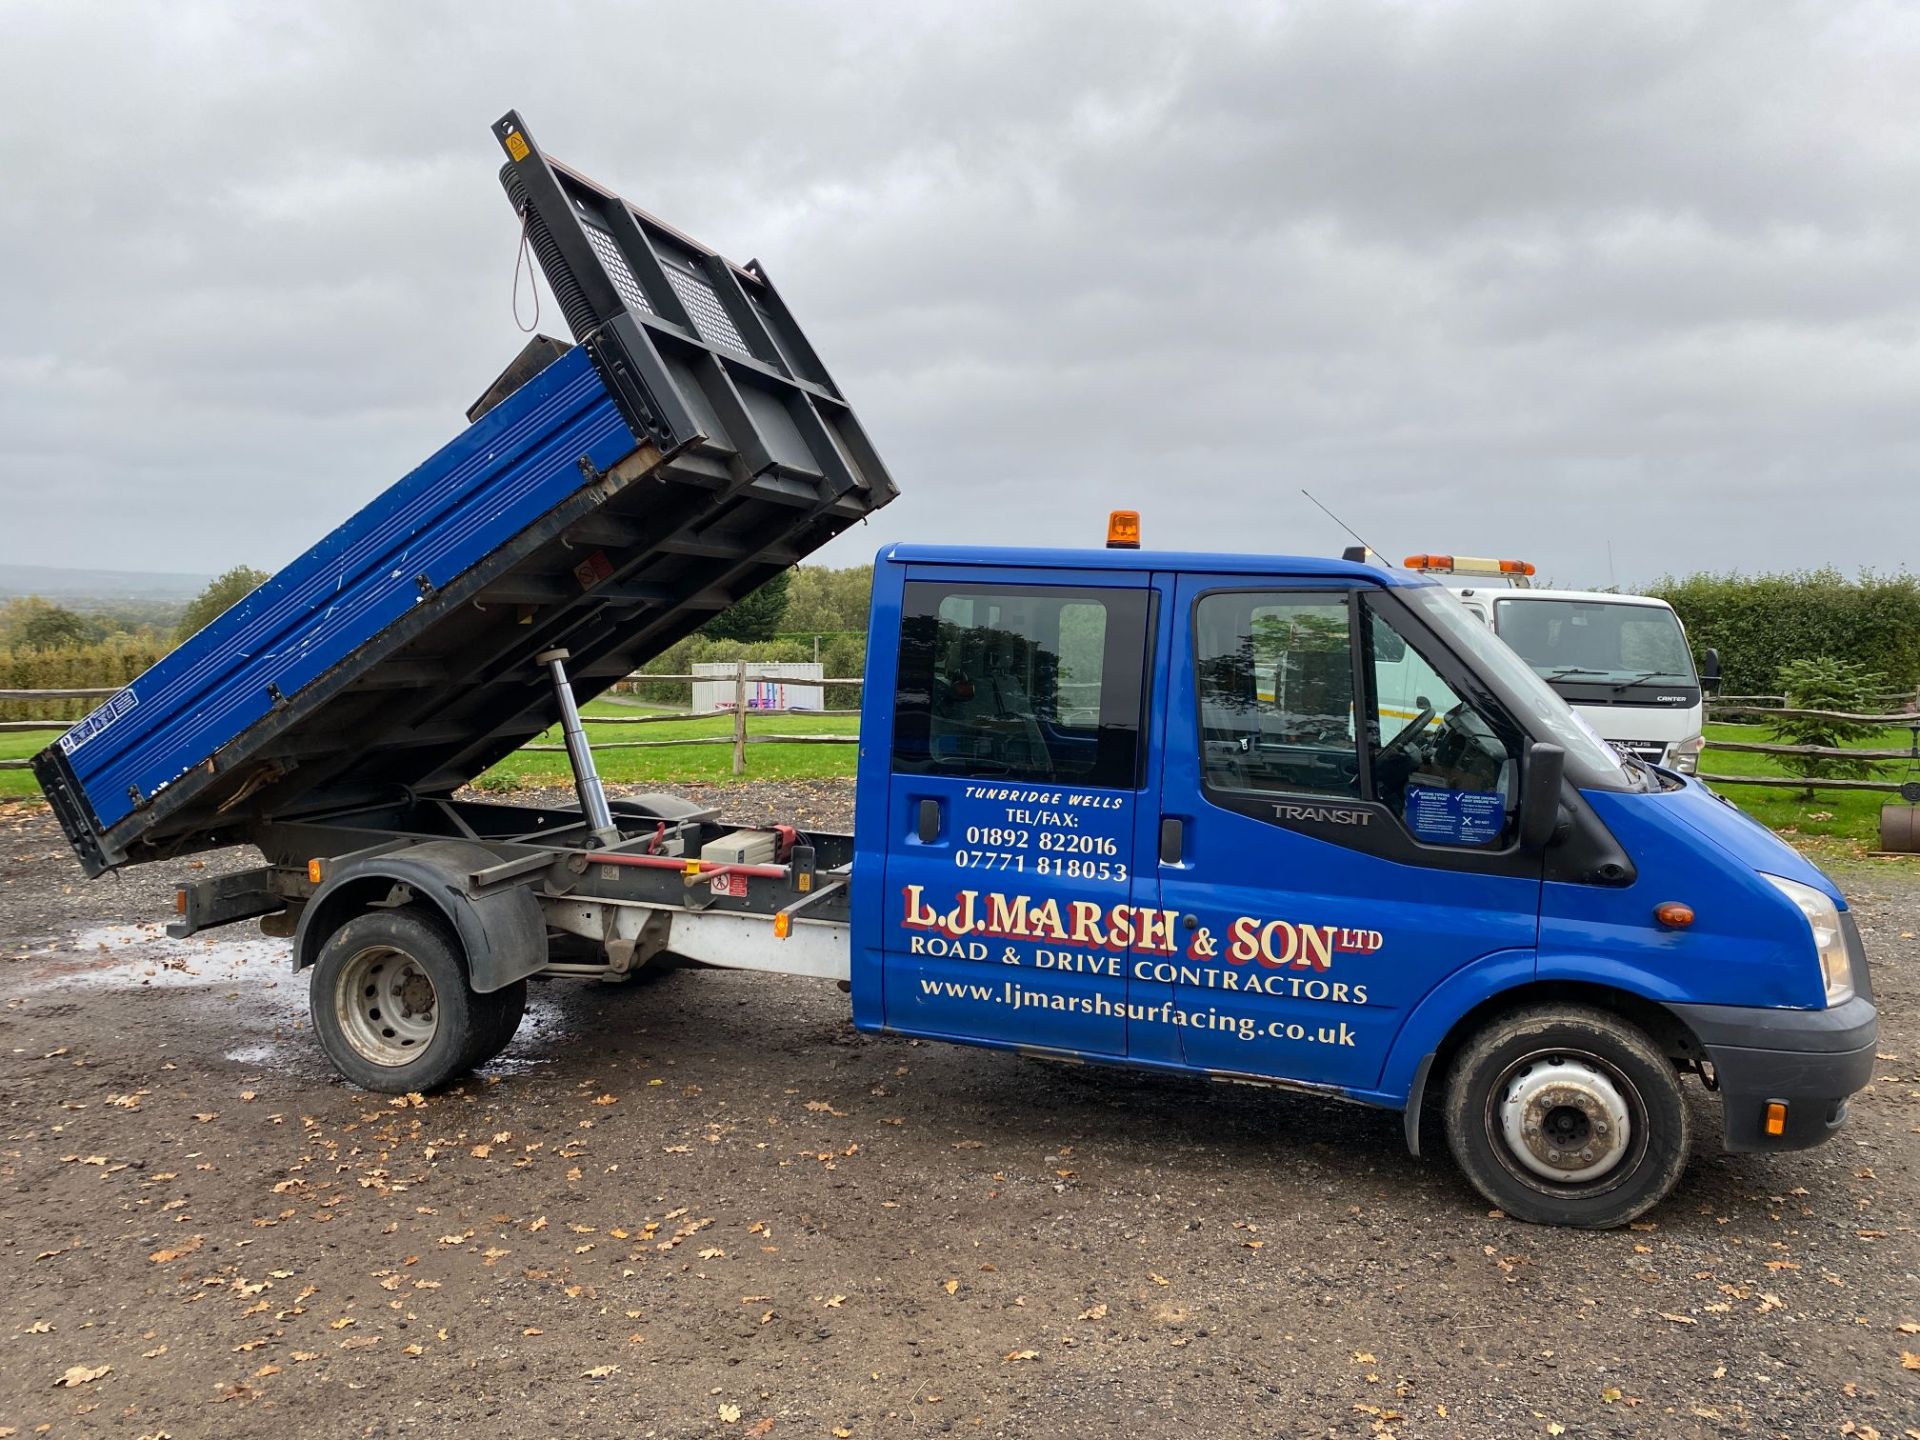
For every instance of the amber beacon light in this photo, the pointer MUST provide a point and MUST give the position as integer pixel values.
(1123, 530)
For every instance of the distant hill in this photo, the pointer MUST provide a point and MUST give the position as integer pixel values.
(70, 586)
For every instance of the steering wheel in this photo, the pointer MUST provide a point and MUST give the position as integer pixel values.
(1414, 727)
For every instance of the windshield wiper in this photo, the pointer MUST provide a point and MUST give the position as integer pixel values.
(1566, 670)
(1650, 675)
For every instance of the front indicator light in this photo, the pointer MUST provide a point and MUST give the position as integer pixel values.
(1684, 755)
(1776, 1117)
(1823, 920)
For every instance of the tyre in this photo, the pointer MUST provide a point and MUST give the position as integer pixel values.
(390, 1003)
(1566, 1115)
(500, 1014)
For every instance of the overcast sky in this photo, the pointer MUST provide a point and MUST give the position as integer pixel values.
(1505, 278)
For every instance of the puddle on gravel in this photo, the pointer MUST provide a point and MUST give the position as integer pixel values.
(262, 1003)
(120, 957)
(264, 1000)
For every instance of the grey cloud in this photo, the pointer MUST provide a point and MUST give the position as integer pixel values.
(1486, 276)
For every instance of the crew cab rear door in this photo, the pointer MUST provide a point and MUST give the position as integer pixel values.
(1016, 783)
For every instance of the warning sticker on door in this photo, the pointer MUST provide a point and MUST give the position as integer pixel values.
(1456, 817)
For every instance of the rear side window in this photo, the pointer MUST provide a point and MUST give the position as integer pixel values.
(1039, 683)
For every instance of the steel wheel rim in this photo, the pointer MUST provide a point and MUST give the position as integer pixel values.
(386, 1005)
(1566, 1122)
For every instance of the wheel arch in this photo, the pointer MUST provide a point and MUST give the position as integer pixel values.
(501, 933)
(1447, 1018)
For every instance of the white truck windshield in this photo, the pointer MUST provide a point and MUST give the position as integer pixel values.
(1442, 609)
(1596, 641)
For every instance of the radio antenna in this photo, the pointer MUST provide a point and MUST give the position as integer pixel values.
(1338, 521)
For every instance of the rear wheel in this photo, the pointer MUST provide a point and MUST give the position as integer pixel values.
(391, 1006)
(500, 1013)
(1566, 1115)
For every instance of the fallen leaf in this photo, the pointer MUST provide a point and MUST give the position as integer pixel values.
(38, 1327)
(1678, 1319)
(1908, 1360)
(951, 1286)
(762, 1426)
(1093, 1312)
(81, 1375)
(836, 1302)
(730, 1414)
(1159, 1279)
(1015, 1356)
(599, 1372)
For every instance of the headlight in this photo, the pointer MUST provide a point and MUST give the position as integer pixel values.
(1823, 918)
(1684, 755)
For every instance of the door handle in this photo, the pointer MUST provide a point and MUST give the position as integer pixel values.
(1173, 840)
(928, 826)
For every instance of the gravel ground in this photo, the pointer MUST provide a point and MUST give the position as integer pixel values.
(705, 1206)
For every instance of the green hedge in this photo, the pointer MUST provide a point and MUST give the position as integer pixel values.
(88, 667)
(1759, 623)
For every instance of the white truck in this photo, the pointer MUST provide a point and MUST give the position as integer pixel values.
(1621, 661)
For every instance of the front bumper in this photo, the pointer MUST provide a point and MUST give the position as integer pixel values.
(1808, 1060)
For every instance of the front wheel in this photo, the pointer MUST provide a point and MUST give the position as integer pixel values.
(1566, 1115)
(391, 1006)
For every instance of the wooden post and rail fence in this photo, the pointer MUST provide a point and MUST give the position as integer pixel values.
(741, 738)
(740, 712)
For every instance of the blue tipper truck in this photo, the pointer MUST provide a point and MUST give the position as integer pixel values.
(1113, 805)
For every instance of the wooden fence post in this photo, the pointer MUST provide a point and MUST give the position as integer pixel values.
(740, 717)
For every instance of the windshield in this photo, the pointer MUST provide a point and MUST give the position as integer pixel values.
(1595, 641)
(1553, 717)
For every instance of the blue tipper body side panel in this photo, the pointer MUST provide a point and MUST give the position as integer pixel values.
(329, 606)
(607, 499)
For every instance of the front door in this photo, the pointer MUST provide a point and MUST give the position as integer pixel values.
(1346, 802)
(1017, 783)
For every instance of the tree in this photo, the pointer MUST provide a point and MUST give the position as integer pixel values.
(755, 617)
(40, 625)
(1831, 685)
(221, 595)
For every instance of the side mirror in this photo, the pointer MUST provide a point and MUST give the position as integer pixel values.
(1546, 769)
(1710, 670)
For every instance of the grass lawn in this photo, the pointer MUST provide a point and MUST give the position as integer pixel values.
(22, 746)
(1847, 815)
(709, 764)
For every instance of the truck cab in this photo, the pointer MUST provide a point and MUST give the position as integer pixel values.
(1621, 661)
(1173, 810)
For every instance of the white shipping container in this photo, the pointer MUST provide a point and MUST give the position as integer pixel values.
(770, 685)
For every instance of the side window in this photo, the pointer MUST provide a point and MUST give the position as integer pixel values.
(1448, 771)
(1036, 683)
(1275, 676)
